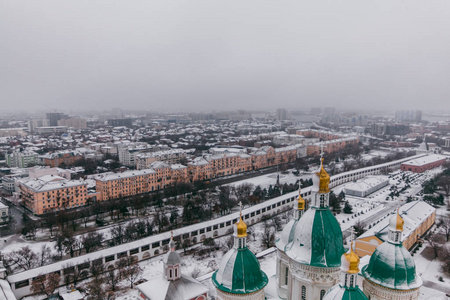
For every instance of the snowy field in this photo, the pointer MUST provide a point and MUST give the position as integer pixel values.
(264, 181)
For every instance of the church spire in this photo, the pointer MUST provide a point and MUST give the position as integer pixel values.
(240, 231)
(395, 228)
(350, 265)
(300, 208)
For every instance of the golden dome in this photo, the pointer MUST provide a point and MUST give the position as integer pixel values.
(301, 202)
(324, 179)
(241, 228)
(352, 261)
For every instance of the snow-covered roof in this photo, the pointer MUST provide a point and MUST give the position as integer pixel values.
(367, 183)
(425, 160)
(49, 183)
(75, 295)
(126, 174)
(199, 161)
(6, 291)
(184, 288)
(413, 213)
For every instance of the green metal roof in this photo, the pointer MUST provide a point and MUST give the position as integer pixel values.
(392, 266)
(318, 240)
(339, 292)
(239, 273)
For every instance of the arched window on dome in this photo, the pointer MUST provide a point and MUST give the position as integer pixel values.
(303, 292)
(322, 293)
(352, 279)
(176, 272)
(170, 274)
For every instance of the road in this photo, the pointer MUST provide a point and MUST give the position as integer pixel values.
(18, 221)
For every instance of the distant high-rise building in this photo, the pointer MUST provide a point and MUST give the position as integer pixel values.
(281, 114)
(408, 115)
(120, 122)
(53, 118)
(77, 123)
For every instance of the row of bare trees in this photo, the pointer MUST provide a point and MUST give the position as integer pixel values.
(104, 280)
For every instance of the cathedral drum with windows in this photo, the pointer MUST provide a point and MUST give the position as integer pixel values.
(310, 247)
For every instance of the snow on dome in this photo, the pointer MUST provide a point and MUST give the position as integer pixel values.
(317, 240)
(396, 222)
(287, 235)
(392, 266)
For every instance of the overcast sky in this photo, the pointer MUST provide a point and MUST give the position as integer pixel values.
(205, 55)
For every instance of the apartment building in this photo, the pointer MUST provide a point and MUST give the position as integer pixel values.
(52, 193)
(172, 156)
(55, 159)
(128, 183)
(22, 159)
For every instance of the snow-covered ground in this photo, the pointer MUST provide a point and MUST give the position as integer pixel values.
(264, 181)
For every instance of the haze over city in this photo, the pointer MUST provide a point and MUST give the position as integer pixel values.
(208, 55)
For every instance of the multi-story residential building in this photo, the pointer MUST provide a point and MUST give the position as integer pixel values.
(128, 183)
(285, 155)
(53, 118)
(263, 157)
(77, 123)
(408, 115)
(179, 173)
(321, 134)
(4, 213)
(22, 159)
(127, 152)
(52, 193)
(172, 156)
(55, 159)
(331, 146)
(199, 169)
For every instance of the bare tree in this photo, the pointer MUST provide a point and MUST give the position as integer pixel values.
(45, 284)
(97, 268)
(117, 234)
(92, 241)
(268, 235)
(96, 289)
(359, 228)
(45, 255)
(444, 183)
(444, 223)
(112, 278)
(131, 271)
(434, 244)
(24, 259)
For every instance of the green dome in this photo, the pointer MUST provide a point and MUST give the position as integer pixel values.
(239, 273)
(339, 292)
(317, 240)
(392, 266)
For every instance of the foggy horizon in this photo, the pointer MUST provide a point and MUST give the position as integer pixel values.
(204, 56)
